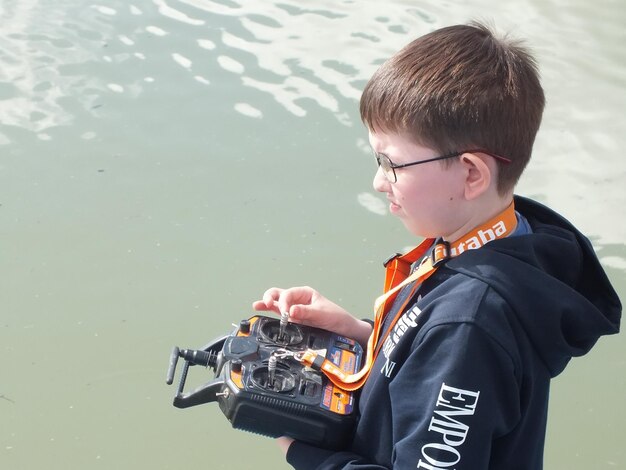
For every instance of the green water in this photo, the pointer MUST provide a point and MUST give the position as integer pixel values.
(162, 163)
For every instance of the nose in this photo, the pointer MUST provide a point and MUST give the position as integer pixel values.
(381, 183)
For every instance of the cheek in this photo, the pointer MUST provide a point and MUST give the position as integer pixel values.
(450, 186)
(435, 190)
(432, 200)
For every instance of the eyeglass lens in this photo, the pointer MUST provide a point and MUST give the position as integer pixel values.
(386, 165)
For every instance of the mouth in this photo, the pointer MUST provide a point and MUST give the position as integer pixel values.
(394, 208)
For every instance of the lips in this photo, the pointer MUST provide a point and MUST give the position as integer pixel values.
(393, 207)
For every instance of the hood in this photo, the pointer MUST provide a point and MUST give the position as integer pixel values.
(554, 282)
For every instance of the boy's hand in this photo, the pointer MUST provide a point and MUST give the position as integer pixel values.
(284, 443)
(307, 306)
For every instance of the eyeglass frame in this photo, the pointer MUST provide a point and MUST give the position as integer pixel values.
(393, 166)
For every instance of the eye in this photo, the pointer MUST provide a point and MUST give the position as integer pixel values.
(385, 162)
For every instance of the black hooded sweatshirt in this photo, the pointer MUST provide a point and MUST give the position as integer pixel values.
(462, 382)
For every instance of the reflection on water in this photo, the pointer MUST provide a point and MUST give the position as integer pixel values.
(162, 163)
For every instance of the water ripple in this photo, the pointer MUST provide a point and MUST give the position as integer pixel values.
(288, 40)
(372, 203)
(295, 61)
(166, 10)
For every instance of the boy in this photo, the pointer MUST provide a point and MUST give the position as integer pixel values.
(505, 291)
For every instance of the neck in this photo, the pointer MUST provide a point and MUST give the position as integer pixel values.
(478, 214)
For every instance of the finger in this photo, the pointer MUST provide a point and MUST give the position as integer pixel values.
(272, 295)
(289, 298)
(284, 443)
(260, 306)
(269, 300)
(283, 303)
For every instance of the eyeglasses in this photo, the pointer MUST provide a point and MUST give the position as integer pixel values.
(389, 168)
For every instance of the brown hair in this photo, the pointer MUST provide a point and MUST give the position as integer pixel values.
(460, 87)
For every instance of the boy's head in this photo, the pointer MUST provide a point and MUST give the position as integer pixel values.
(460, 88)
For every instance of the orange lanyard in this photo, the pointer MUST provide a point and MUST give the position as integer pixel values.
(397, 276)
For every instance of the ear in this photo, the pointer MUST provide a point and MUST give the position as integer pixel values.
(478, 175)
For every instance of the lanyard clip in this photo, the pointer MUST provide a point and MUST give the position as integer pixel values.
(441, 253)
(282, 353)
(391, 258)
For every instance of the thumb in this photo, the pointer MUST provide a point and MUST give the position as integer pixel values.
(302, 313)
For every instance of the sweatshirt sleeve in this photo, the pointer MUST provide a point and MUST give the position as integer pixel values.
(455, 393)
